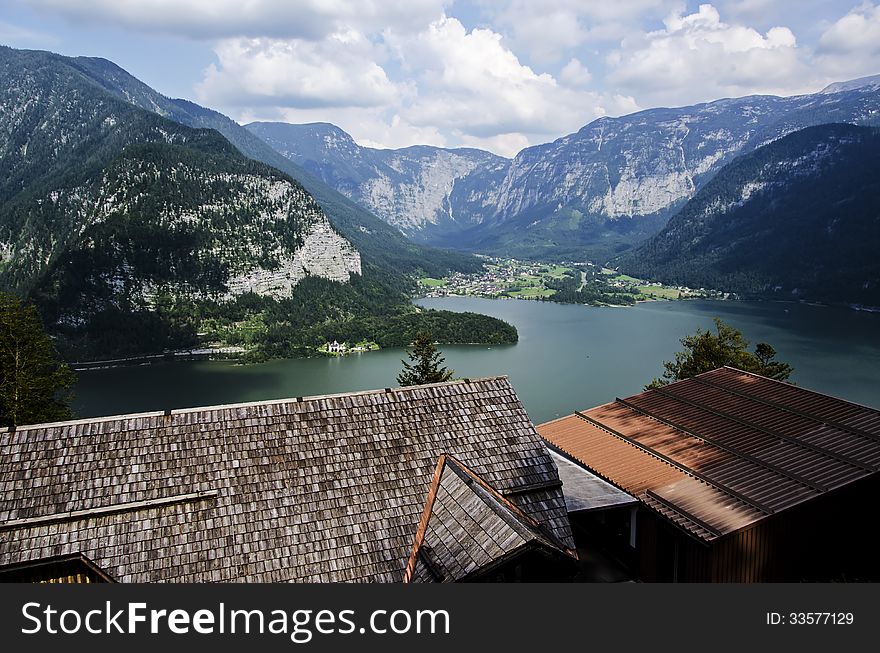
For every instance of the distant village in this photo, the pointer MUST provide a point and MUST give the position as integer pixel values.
(512, 278)
(500, 277)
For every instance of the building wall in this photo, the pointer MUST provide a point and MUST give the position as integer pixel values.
(828, 538)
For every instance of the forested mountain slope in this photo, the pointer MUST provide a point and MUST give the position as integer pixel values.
(798, 218)
(133, 232)
(379, 242)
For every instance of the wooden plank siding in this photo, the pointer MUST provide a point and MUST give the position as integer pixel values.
(830, 538)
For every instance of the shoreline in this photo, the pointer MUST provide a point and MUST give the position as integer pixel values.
(225, 354)
(598, 305)
(234, 353)
(860, 308)
(208, 353)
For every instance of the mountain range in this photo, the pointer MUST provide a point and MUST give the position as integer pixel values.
(590, 194)
(798, 218)
(423, 191)
(140, 223)
(135, 221)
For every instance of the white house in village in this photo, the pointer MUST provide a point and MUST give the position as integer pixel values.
(336, 348)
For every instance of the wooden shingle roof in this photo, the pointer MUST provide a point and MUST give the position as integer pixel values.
(467, 528)
(317, 489)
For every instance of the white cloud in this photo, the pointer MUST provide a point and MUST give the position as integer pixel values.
(339, 71)
(546, 32)
(462, 88)
(551, 30)
(851, 46)
(574, 73)
(399, 72)
(211, 19)
(508, 145)
(369, 127)
(698, 57)
(471, 84)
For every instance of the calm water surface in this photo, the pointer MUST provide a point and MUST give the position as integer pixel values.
(568, 357)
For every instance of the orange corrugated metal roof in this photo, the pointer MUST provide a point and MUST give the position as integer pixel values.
(724, 449)
(614, 460)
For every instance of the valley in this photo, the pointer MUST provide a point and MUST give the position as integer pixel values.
(566, 282)
(142, 225)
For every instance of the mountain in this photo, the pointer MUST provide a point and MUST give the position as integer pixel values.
(617, 180)
(873, 81)
(375, 239)
(135, 232)
(591, 194)
(798, 218)
(424, 191)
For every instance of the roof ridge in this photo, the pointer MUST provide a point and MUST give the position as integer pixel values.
(523, 520)
(248, 404)
(492, 491)
(427, 511)
(791, 385)
(524, 525)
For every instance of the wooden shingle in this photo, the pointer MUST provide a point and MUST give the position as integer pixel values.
(320, 489)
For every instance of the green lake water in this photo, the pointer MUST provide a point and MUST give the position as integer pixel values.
(568, 357)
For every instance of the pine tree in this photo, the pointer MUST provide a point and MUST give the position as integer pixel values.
(426, 363)
(34, 384)
(705, 351)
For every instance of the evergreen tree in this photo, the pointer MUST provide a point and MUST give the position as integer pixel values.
(426, 363)
(705, 351)
(34, 384)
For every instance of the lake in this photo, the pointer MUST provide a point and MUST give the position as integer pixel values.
(568, 357)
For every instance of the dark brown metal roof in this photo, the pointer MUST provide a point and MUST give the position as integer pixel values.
(724, 449)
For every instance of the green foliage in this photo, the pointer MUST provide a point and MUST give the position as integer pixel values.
(342, 314)
(319, 311)
(705, 351)
(535, 236)
(426, 363)
(594, 291)
(34, 384)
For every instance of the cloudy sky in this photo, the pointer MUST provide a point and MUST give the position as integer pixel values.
(496, 74)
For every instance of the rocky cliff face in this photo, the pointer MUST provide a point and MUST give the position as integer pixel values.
(421, 190)
(613, 183)
(248, 232)
(617, 175)
(108, 207)
(323, 253)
